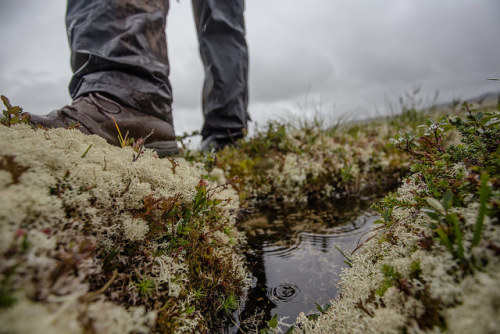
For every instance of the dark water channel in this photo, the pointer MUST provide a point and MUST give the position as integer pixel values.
(294, 259)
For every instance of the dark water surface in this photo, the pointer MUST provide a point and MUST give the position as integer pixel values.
(294, 259)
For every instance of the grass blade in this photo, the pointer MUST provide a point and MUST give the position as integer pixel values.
(86, 151)
(347, 260)
(458, 235)
(444, 239)
(484, 193)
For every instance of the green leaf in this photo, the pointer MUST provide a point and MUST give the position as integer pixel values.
(6, 101)
(458, 234)
(7, 292)
(323, 308)
(387, 214)
(484, 193)
(313, 316)
(25, 244)
(319, 308)
(432, 214)
(15, 110)
(86, 151)
(290, 330)
(347, 260)
(190, 310)
(492, 122)
(448, 200)
(436, 205)
(444, 239)
(273, 323)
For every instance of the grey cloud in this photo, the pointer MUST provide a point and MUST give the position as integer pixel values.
(283, 75)
(353, 55)
(187, 79)
(38, 97)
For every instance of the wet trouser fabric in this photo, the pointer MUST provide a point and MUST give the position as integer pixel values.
(119, 48)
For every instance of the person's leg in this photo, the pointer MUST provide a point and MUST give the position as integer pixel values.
(118, 47)
(120, 65)
(221, 34)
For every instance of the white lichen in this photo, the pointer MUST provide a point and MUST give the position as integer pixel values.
(74, 246)
(469, 305)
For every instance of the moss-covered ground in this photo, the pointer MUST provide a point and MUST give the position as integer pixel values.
(432, 263)
(101, 239)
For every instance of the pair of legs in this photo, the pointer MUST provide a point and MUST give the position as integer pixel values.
(119, 55)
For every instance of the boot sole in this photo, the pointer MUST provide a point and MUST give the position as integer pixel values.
(164, 148)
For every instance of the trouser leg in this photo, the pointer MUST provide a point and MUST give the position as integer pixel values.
(221, 34)
(118, 47)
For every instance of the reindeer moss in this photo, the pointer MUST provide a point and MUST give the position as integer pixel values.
(432, 264)
(94, 242)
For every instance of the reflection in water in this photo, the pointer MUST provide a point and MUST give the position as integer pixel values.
(294, 259)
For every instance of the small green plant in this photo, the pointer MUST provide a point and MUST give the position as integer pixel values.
(13, 114)
(273, 326)
(323, 309)
(448, 224)
(415, 269)
(110, 259)
(453, 175)
(136, 145)
(484, 193)
(145, 287)
(228, 304)
(189, 309)
(386, 217)
(347, 259)
(392, 278)
(199, 293)
(181, 230)
(7, 298)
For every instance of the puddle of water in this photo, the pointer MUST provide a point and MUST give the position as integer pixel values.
(295, 261)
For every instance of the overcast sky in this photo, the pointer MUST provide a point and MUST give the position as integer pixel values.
(342, 56)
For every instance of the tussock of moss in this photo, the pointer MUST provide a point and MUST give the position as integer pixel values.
(94, 242)
(283, 165)
(433, 264)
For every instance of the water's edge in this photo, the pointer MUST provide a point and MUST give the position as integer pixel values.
(295, 260)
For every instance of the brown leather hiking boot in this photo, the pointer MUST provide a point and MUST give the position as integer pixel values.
(97, 114)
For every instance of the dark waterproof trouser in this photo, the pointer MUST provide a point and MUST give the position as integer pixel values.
(118, 47)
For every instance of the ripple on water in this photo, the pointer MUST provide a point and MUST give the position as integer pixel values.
(280, 251)
(314, 241)
(283, 293)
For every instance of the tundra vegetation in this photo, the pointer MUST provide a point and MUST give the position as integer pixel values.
(102, 239)
(432, 263)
